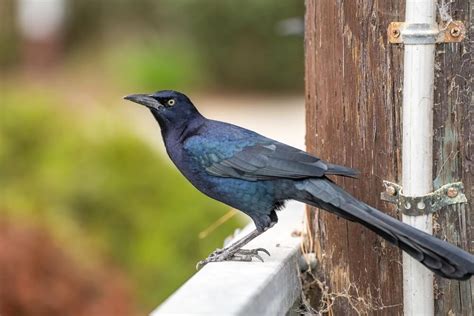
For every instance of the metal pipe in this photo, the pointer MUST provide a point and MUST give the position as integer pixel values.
(417, 157)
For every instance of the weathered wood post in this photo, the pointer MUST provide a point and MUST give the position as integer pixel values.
(353, 84)
(353, 101)
(453, 123)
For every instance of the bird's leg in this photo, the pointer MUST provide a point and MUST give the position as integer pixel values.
(234, 251)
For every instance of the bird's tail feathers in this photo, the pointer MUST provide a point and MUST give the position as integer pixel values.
(437, 255)
(342, 171)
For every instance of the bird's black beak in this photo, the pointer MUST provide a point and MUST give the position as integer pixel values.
(144, 99)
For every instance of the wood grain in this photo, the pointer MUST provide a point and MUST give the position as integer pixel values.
(454, 154)
(353, 102)
(353, 86)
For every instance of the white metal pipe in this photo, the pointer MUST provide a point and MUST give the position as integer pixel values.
(417, 158)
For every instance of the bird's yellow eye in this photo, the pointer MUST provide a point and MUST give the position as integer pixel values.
(171, 102)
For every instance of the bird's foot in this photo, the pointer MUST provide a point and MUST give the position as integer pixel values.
(249, 254)
(228, 255)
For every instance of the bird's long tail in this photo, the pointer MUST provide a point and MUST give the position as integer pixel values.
(437, 255)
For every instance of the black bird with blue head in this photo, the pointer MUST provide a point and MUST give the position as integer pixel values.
(256, 175)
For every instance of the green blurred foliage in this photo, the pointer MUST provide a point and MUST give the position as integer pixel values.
(225, 44)
(240, 45)
(9, 41)
(104, 192)
(151, 67)
(95, 181)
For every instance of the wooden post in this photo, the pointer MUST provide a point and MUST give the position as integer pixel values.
(353, 84)
(454, 154)
(353, 101)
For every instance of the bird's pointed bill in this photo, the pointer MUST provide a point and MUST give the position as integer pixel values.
(144, 99)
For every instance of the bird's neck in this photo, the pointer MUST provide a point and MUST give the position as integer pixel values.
(178, 132)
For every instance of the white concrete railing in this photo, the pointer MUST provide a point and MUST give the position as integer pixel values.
(247, 288)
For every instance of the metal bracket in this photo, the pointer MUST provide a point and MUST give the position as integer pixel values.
(448, 194)
(424, 33)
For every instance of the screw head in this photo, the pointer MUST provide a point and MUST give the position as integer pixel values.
(452, 192)
(396, 33)
(391, 190)
(455, 31)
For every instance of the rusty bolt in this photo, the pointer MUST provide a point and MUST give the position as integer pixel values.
(396, 33)
(455, 31)
(452, 192)
(391, 190)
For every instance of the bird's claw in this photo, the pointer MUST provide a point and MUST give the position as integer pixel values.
(251, 253)
(240, 255)
(265, 251)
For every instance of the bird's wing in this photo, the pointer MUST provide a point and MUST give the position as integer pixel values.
(269, 160)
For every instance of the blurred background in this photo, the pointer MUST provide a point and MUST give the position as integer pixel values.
(94, 219)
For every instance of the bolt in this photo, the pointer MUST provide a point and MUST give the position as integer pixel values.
(396, 33)
(391, 190)
(452, 192)
(455, 31)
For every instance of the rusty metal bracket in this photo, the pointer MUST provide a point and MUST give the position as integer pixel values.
(424, 33)
(448, 194)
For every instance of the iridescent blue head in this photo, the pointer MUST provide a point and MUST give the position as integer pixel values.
(170, 108)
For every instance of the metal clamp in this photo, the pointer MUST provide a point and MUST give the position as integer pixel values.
(424, 33)
(448, 194)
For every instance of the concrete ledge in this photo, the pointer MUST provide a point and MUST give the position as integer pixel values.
(247, 288)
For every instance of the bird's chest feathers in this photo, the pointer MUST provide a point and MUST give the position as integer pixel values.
(184, 160)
